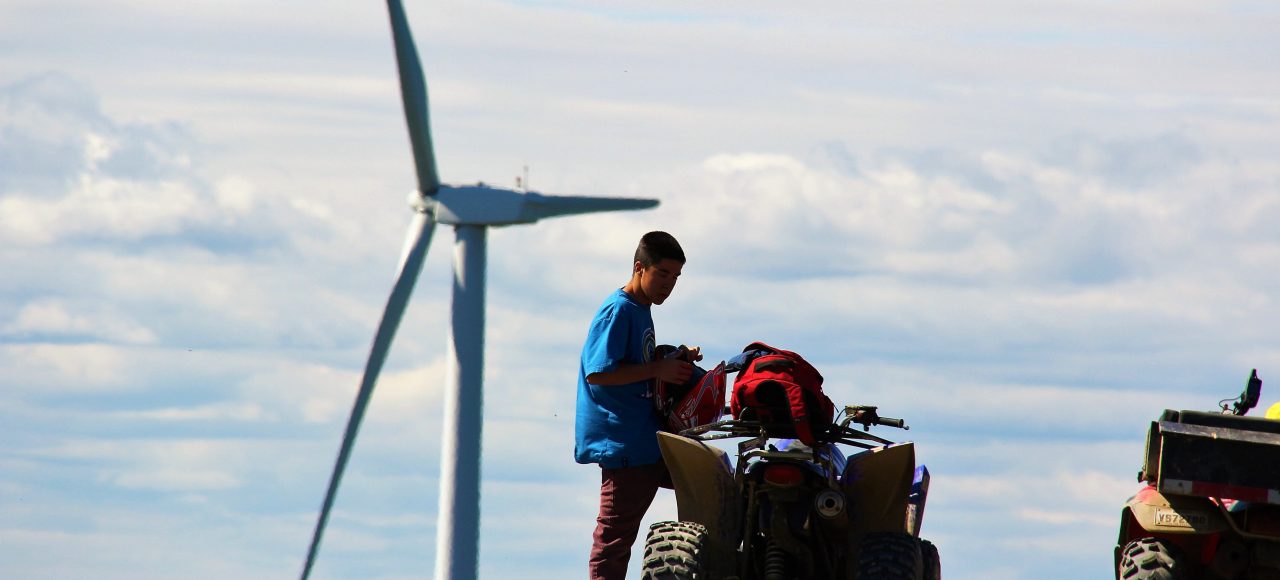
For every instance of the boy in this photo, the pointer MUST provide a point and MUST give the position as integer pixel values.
(616, 425)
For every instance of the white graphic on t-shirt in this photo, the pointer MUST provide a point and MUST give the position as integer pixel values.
(649, 348)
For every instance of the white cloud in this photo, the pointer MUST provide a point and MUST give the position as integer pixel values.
(73, 368)
(236, 195)
(1058, 518)
(175, 480)
(317, 393)
(52, 318)
(217, 412)
(101, 208)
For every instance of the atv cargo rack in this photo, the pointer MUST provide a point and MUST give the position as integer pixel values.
(1215, 455)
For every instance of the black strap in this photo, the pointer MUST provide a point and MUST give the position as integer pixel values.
(771, 364)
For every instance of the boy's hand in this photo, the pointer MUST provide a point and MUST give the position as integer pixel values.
(689, 353)
(672, 370)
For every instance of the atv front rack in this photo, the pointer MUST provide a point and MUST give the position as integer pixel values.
(761, 432)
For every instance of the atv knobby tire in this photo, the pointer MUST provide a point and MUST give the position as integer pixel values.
(888, 556)
(1151, 559)
(932, 561)
(675, 551)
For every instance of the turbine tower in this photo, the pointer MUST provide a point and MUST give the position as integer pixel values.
(471, 210)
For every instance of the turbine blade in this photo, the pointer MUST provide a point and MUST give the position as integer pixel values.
(413, 91)
(416, 244)
(545, 206)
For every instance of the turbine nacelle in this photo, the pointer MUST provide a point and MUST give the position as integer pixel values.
(482, 204)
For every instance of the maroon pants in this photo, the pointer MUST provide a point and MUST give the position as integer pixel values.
(625, 495)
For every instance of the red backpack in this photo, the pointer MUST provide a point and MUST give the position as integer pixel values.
(784, 392)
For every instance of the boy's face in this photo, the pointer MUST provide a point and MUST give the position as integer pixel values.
(657, 281)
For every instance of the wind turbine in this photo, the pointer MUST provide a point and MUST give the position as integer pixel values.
(471, 210)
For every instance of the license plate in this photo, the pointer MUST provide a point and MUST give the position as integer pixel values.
(1186, 519)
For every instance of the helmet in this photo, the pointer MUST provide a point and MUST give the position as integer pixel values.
(1273, 412)
(698, 401)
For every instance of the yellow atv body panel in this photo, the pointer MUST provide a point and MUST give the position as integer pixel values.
(877, 485)
(705, 489)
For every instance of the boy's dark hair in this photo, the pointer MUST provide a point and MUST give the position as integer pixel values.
(658, 246)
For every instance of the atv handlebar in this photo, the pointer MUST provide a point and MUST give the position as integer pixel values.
(760, 433)
(863, 415)
(891, 422)
(866, 416)
(732, 427)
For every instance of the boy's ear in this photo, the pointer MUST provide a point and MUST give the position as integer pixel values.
(637, 267)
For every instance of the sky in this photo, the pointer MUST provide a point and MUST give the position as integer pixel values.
(1024, 227)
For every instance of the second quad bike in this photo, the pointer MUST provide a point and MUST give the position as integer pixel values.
(787, 510)
(1210, 506)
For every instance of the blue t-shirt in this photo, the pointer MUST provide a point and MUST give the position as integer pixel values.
(616, 424)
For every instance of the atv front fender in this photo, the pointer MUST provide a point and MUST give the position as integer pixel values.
(706, 492)
(1157, 513)
(1190, 523)
(877, 486)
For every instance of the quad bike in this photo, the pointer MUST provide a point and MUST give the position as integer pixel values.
(787, 510)
(1210, 507)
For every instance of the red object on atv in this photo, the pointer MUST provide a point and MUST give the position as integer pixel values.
(697, 401)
